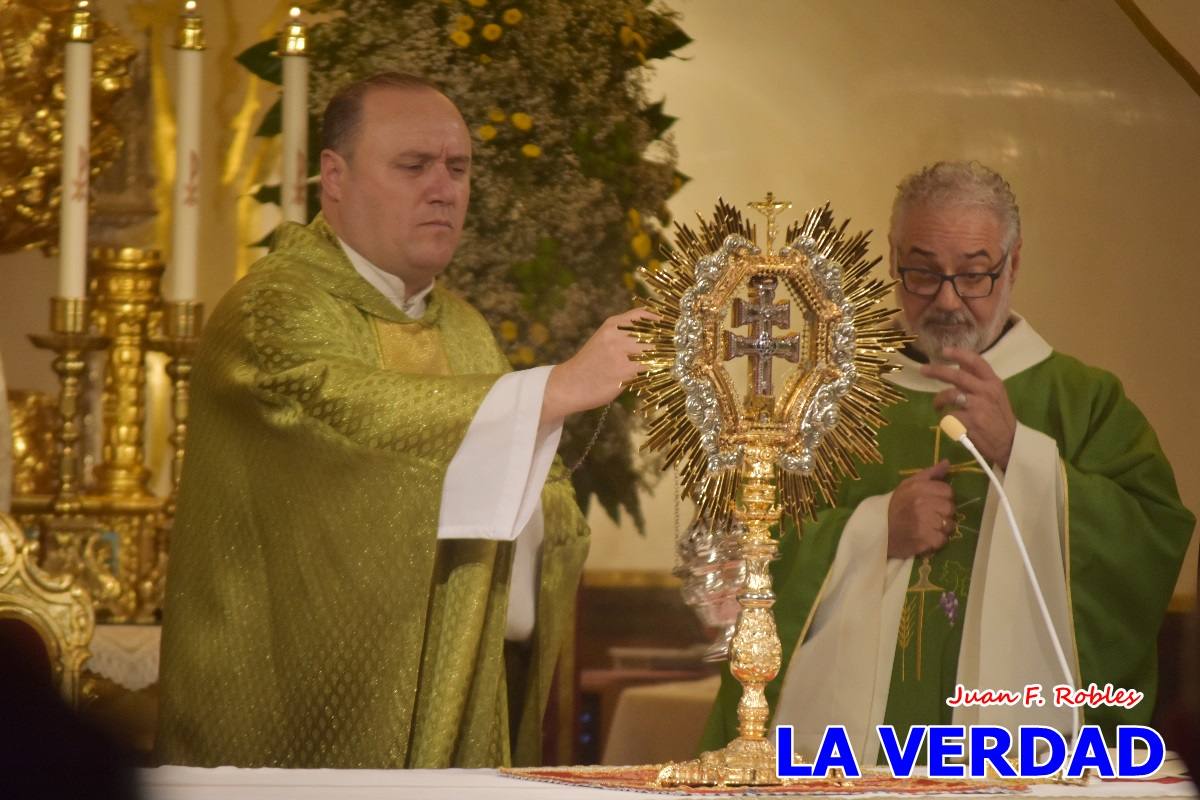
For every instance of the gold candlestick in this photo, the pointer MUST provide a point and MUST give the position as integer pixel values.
(72, 542)
(70, 339)
(182, 322)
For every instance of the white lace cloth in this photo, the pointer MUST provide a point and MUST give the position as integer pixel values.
(126, 654)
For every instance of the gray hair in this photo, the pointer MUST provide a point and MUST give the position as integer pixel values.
(949, 184)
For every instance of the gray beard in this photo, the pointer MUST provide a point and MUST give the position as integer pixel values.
(966, 334)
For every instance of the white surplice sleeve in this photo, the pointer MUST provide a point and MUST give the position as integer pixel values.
(494, 483)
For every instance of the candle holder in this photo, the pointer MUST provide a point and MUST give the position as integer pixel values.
(72, 542)
(70, 339)
(181, 324)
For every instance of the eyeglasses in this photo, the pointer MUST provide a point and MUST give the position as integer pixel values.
(968, 285)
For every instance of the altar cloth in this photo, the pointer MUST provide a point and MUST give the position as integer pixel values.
(229, 783)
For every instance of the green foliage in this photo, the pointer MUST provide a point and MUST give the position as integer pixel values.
(262, 61)
(272, 121)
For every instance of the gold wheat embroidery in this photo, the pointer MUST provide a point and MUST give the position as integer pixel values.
(904, 635)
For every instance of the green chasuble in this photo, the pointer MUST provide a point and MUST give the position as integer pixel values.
(886, 641)
(313, 618)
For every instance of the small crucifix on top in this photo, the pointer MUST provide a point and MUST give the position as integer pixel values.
(769, 207)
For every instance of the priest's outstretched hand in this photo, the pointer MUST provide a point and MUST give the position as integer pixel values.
(596, 374)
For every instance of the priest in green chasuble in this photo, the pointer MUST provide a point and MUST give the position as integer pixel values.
(912, 584)
(370, 505)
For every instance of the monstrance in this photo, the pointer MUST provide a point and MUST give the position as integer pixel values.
(754, 456)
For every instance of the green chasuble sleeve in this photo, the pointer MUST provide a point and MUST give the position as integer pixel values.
(313, 619)
(1124, 536)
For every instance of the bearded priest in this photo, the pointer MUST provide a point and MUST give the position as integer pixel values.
(912, 585)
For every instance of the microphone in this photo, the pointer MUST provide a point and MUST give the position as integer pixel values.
(953, 428)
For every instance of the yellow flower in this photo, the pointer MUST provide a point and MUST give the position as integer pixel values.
(635, 220)
(627, 279)
(461, 38)
(508, 330)
(464, 22)
(522, 121)
(492, 31)
(486, 132)
(626, 34)
(512, 16)
(484, 58)
(539, 334)
(641, 245)
(531, 150)
(496, 114)
(524, 356)
(478, 3)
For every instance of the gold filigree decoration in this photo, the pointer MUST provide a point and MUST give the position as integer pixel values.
(55, 606)
(33, 34)
(858, 409)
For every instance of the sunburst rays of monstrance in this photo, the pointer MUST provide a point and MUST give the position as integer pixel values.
(754, 457)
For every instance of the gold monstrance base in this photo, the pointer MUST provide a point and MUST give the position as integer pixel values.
(774, 451)
(755, 654)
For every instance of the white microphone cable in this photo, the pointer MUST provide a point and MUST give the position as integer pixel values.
(953, 428)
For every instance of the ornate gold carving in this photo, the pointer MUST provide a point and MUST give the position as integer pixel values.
(32, 36)
(770, 452)
(113, 537)
(53, 605)
(77, 546)
(125, 285)
(33, 424)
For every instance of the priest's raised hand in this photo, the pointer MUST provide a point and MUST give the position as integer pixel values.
(596, 374)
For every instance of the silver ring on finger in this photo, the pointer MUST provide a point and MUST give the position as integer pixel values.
(960, 400)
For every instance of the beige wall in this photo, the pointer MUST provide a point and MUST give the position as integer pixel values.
(836, 101)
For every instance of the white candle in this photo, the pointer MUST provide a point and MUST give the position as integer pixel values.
(73, 214)
(185, 238)
(294, 163)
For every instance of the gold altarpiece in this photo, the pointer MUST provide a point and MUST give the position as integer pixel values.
(104, 526)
